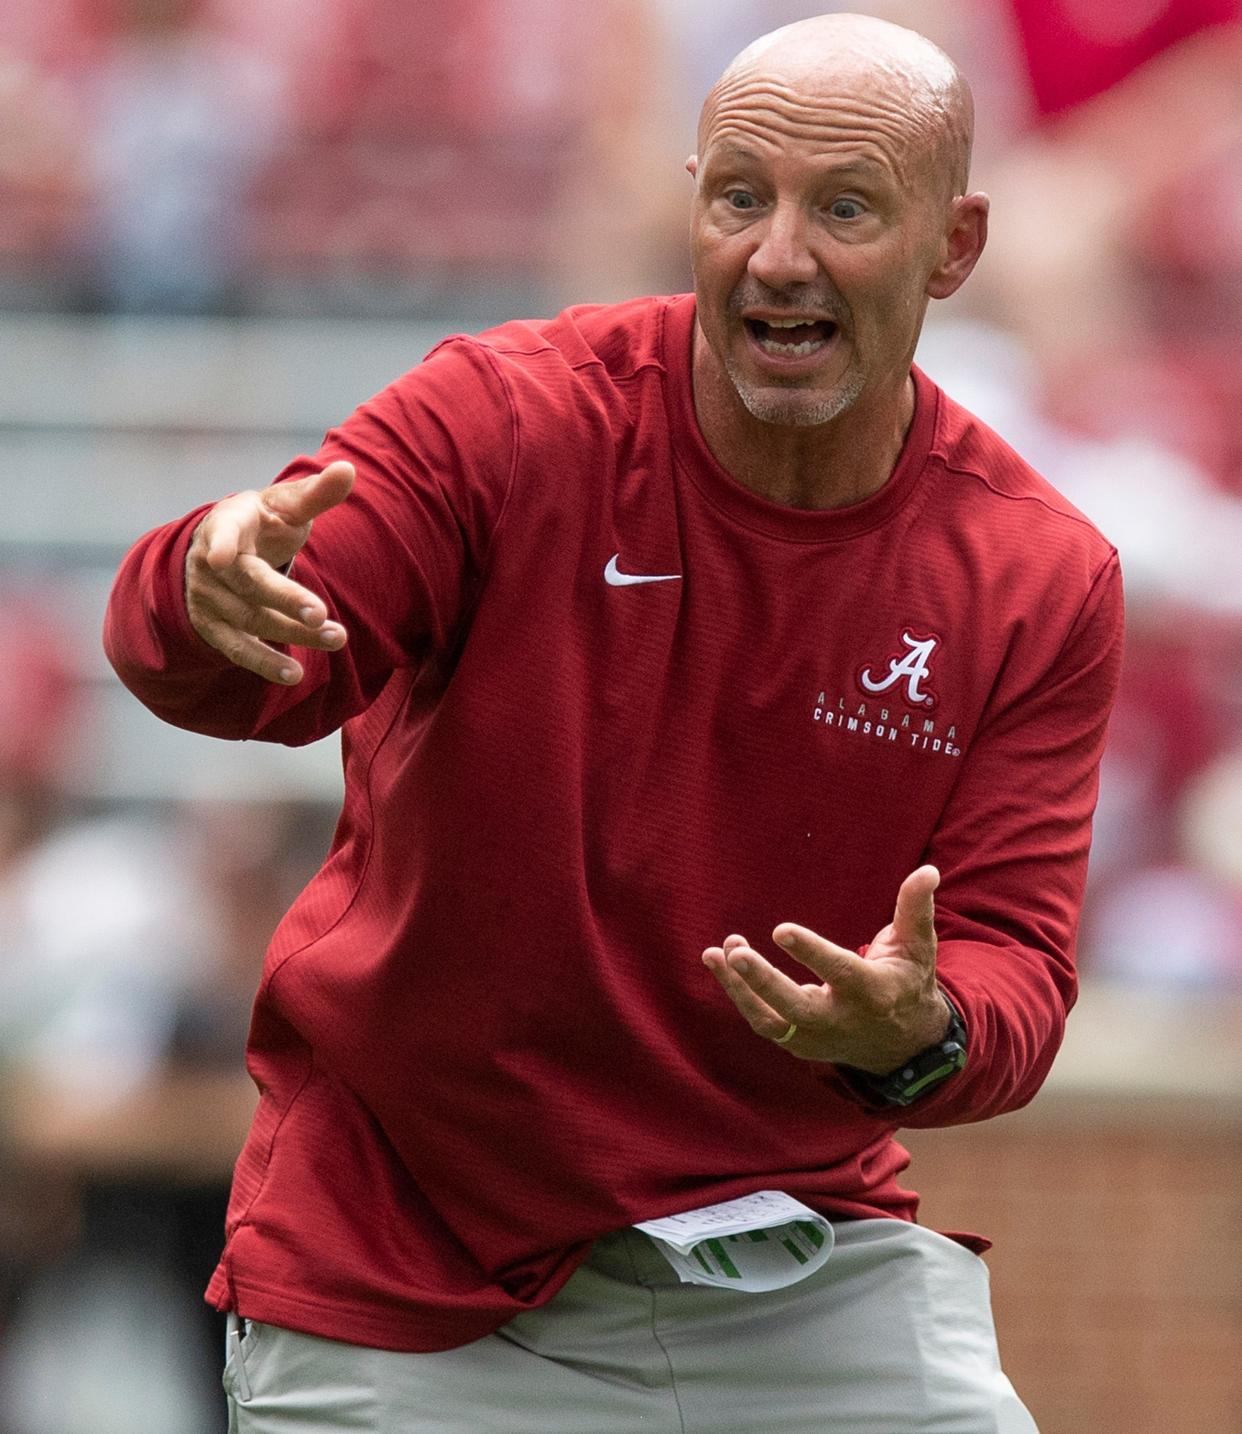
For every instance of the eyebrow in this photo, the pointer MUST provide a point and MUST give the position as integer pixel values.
(727, 151)
(734, 151)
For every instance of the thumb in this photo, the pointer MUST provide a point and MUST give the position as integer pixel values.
(300, 500)
(914, 920)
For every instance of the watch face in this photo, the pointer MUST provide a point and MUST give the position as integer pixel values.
(947, 1058)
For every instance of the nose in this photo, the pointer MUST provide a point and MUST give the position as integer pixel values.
(782, 256)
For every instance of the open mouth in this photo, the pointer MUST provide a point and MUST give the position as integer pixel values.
(791, 338)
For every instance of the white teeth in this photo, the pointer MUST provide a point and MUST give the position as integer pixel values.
(808, 346)
(788, 323)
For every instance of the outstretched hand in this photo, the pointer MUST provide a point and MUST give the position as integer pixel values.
(872, 1012)
(238, 599)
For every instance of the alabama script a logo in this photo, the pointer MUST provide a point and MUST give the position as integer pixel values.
(910, 667)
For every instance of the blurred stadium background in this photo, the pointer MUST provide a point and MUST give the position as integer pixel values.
(222, 224)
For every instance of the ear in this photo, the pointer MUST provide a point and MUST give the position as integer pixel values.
(965, 234)
(692, 166)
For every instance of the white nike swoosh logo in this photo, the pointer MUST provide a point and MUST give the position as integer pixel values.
(614, 577)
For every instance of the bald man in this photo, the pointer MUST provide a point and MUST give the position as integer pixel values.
(697, 619)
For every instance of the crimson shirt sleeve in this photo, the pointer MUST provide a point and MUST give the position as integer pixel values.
(399, 562)
(1012, 851)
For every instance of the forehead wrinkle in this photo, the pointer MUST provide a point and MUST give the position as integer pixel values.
(788, 98)
(863, 151)
(882, 130)
(863, 62)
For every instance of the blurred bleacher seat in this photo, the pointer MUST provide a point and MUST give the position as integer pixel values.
(111, 426)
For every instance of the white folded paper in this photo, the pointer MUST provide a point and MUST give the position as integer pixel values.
(763, 1241)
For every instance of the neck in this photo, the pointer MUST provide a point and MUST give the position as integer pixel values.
(827, 465)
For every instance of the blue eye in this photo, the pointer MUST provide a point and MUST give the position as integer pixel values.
(740, 199)
(845, 209)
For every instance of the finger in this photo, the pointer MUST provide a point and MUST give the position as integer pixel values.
(914, 920)
(248, 652)
(256, 582)
(220, 535)
(773, 987)
(231, 528)
(763, 1019)
(830, 962)
(299, 500)
(715, 954)
(264, 622)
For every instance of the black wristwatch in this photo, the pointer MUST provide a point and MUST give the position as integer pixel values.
(921, 1073)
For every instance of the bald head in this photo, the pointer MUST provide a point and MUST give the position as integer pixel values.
(830, 207)
(928, 95)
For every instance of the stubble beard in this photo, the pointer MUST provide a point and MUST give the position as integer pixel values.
(790, 407)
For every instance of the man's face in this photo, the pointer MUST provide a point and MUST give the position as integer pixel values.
(818, 220)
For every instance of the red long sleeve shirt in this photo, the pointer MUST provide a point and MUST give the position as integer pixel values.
(484, 1035)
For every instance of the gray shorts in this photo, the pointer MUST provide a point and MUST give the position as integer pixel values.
(893, 1335)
